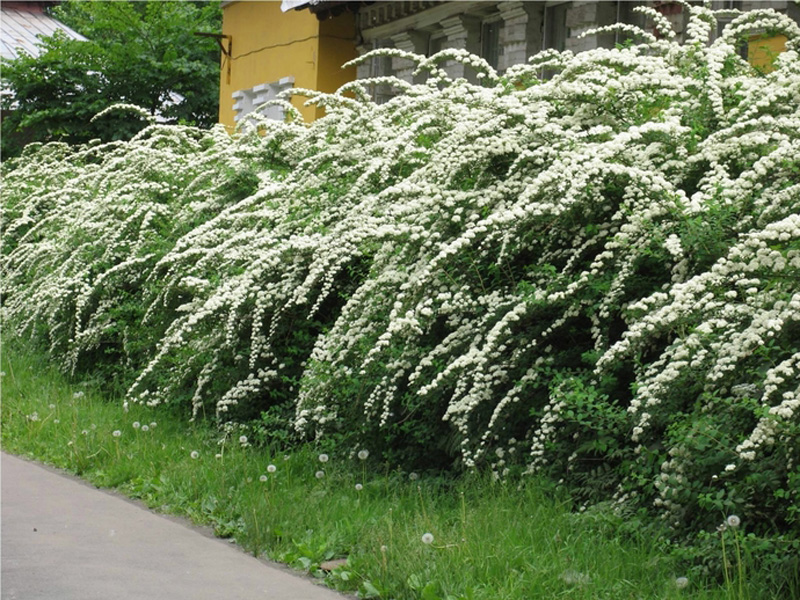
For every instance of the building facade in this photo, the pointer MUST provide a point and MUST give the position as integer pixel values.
(266, 50)
(504, 33)
(509, 32)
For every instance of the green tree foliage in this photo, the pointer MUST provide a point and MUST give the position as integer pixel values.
(142, 53)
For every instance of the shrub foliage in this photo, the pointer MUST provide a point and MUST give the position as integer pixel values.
(593, 275)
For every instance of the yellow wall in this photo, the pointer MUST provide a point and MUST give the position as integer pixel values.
(762, 50)
(268, 44)
(336, 47)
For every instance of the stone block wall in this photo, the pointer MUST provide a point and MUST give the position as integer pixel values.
(526, 27)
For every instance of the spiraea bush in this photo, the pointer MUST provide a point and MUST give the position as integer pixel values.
(592, 274)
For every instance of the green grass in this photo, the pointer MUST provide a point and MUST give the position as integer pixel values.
(491, 540)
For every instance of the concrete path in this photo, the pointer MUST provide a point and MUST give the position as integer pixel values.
(65, 540)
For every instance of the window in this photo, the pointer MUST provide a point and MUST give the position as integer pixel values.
(436, 43)
(626, 14)
(555, 31)
(555, 26)
(381, 66)
(724, 20)
(490, 42)
(725, 5)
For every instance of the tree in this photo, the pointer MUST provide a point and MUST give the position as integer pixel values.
(142, 53)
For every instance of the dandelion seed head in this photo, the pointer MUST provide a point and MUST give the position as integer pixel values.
(116, 432)
(681, 582)
(323, 458)
(319, 474)
(195, 454)
(363, 454)
(572, 577)
(153, 425)
(52, 406)
(263, 478)
(427, 538)
(242, 439)
(359, 487)
(413, 476)
(733, 521)
(271, 468)
(145, 428)
(136, 424)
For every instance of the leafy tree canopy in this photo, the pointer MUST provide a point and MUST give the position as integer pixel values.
(142, 53)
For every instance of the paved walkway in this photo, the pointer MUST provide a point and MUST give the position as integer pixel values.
(65, 540)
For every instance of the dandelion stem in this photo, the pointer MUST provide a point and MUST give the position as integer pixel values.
(422, 507)
(463, 518)
(739, 565)
(257, 539)
(725, 564)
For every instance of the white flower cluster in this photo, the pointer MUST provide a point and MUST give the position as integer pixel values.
(443, 259)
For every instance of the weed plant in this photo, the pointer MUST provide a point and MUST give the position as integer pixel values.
(403, 536)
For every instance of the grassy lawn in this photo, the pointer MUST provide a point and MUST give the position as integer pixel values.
(403, 536)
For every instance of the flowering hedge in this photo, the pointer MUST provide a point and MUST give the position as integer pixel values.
(593, 275)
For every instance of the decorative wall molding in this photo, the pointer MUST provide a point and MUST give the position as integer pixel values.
(247, 101)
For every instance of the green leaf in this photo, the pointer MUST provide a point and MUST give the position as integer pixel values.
(369, 590)
(430, 592)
